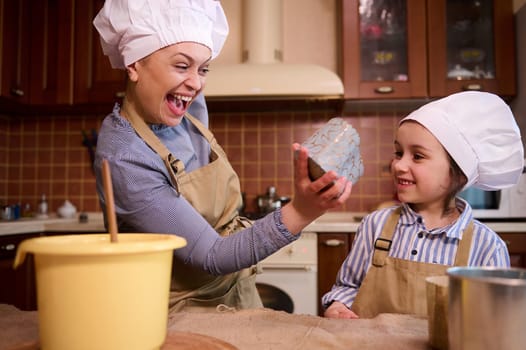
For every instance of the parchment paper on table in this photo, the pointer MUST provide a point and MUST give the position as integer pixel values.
(336, 146)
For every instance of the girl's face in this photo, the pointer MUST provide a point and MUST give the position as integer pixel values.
(420, 168)
(168, 80)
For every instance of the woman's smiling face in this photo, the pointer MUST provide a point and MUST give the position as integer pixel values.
(165, 82)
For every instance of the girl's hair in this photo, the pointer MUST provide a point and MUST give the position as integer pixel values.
(458, 180)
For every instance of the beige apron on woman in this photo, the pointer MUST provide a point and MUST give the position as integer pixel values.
(398, 286)
(214, 191)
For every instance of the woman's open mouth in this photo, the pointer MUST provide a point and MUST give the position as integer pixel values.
(178, 103)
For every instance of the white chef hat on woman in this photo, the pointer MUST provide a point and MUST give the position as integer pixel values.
(479, 132)
(132, 29)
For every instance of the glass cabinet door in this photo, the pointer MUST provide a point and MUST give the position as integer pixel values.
(469, 26)
(383, 40)
(384, 51)
(471, 46)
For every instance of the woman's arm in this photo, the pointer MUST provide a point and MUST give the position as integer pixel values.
(146, 202)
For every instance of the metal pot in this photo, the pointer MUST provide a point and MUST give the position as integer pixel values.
(487, 308)
(270, 201)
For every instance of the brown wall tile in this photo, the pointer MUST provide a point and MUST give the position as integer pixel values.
(44, 154)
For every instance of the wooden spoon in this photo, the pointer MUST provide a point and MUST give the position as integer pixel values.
(110, 203)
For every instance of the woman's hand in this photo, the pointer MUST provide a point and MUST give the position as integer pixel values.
(312, 198)
(339, 310)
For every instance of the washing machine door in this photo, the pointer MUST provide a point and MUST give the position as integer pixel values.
(275, 298)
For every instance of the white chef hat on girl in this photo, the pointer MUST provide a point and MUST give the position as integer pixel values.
(132, 29)
(479, 132)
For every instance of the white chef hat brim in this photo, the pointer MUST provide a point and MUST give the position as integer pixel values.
(131, 30)
(480, 133)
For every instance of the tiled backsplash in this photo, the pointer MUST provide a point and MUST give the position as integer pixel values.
(45, 154)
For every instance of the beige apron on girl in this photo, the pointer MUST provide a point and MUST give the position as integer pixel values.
(398, 286)
(214, 191)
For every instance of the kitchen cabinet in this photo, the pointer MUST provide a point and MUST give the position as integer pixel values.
(95, 81)
(14, 50)
(37, 51)
(333, 248)
(420, 49)
(516, 242)
(18, 286)
(384, 49)
(51, 55)
(51, 59)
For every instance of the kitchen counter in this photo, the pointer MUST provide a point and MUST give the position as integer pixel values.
(330, 222)
(95, 224)
(349, 222)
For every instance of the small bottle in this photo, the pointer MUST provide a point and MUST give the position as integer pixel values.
(26, 211)
(42, 207)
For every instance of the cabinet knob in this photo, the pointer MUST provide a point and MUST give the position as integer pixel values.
(334, 242)
(120, 94)
(17, 92)
(8, 247)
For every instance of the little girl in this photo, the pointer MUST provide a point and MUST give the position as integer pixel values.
(466, 139)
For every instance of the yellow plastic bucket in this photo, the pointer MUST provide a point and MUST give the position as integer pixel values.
(94, 294)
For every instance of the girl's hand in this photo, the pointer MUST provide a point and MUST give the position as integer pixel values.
(339, 310)
(312, 198)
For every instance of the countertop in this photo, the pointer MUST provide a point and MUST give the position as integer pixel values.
(349, 222)
(340, 222)
(95, 224)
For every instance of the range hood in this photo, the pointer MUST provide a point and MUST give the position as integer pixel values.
(262, 74)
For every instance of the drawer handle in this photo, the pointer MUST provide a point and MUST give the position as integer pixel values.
(17, 92)
(384, 90)
(334, 242)
(8, 247)
(472, 87)
(120, 94)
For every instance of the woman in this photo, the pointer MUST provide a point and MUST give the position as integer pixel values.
(168, 172)
(466, 139)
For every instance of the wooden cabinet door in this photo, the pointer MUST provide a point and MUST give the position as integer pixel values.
(332, 251)
(18, 286)
(461, 21)
(14, 49)
(95, 81)
(51, 62)
(372, 66)
(516, 242)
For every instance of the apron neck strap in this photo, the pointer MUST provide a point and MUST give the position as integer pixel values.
(382, 244)
(464, 246)
(173, 165)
